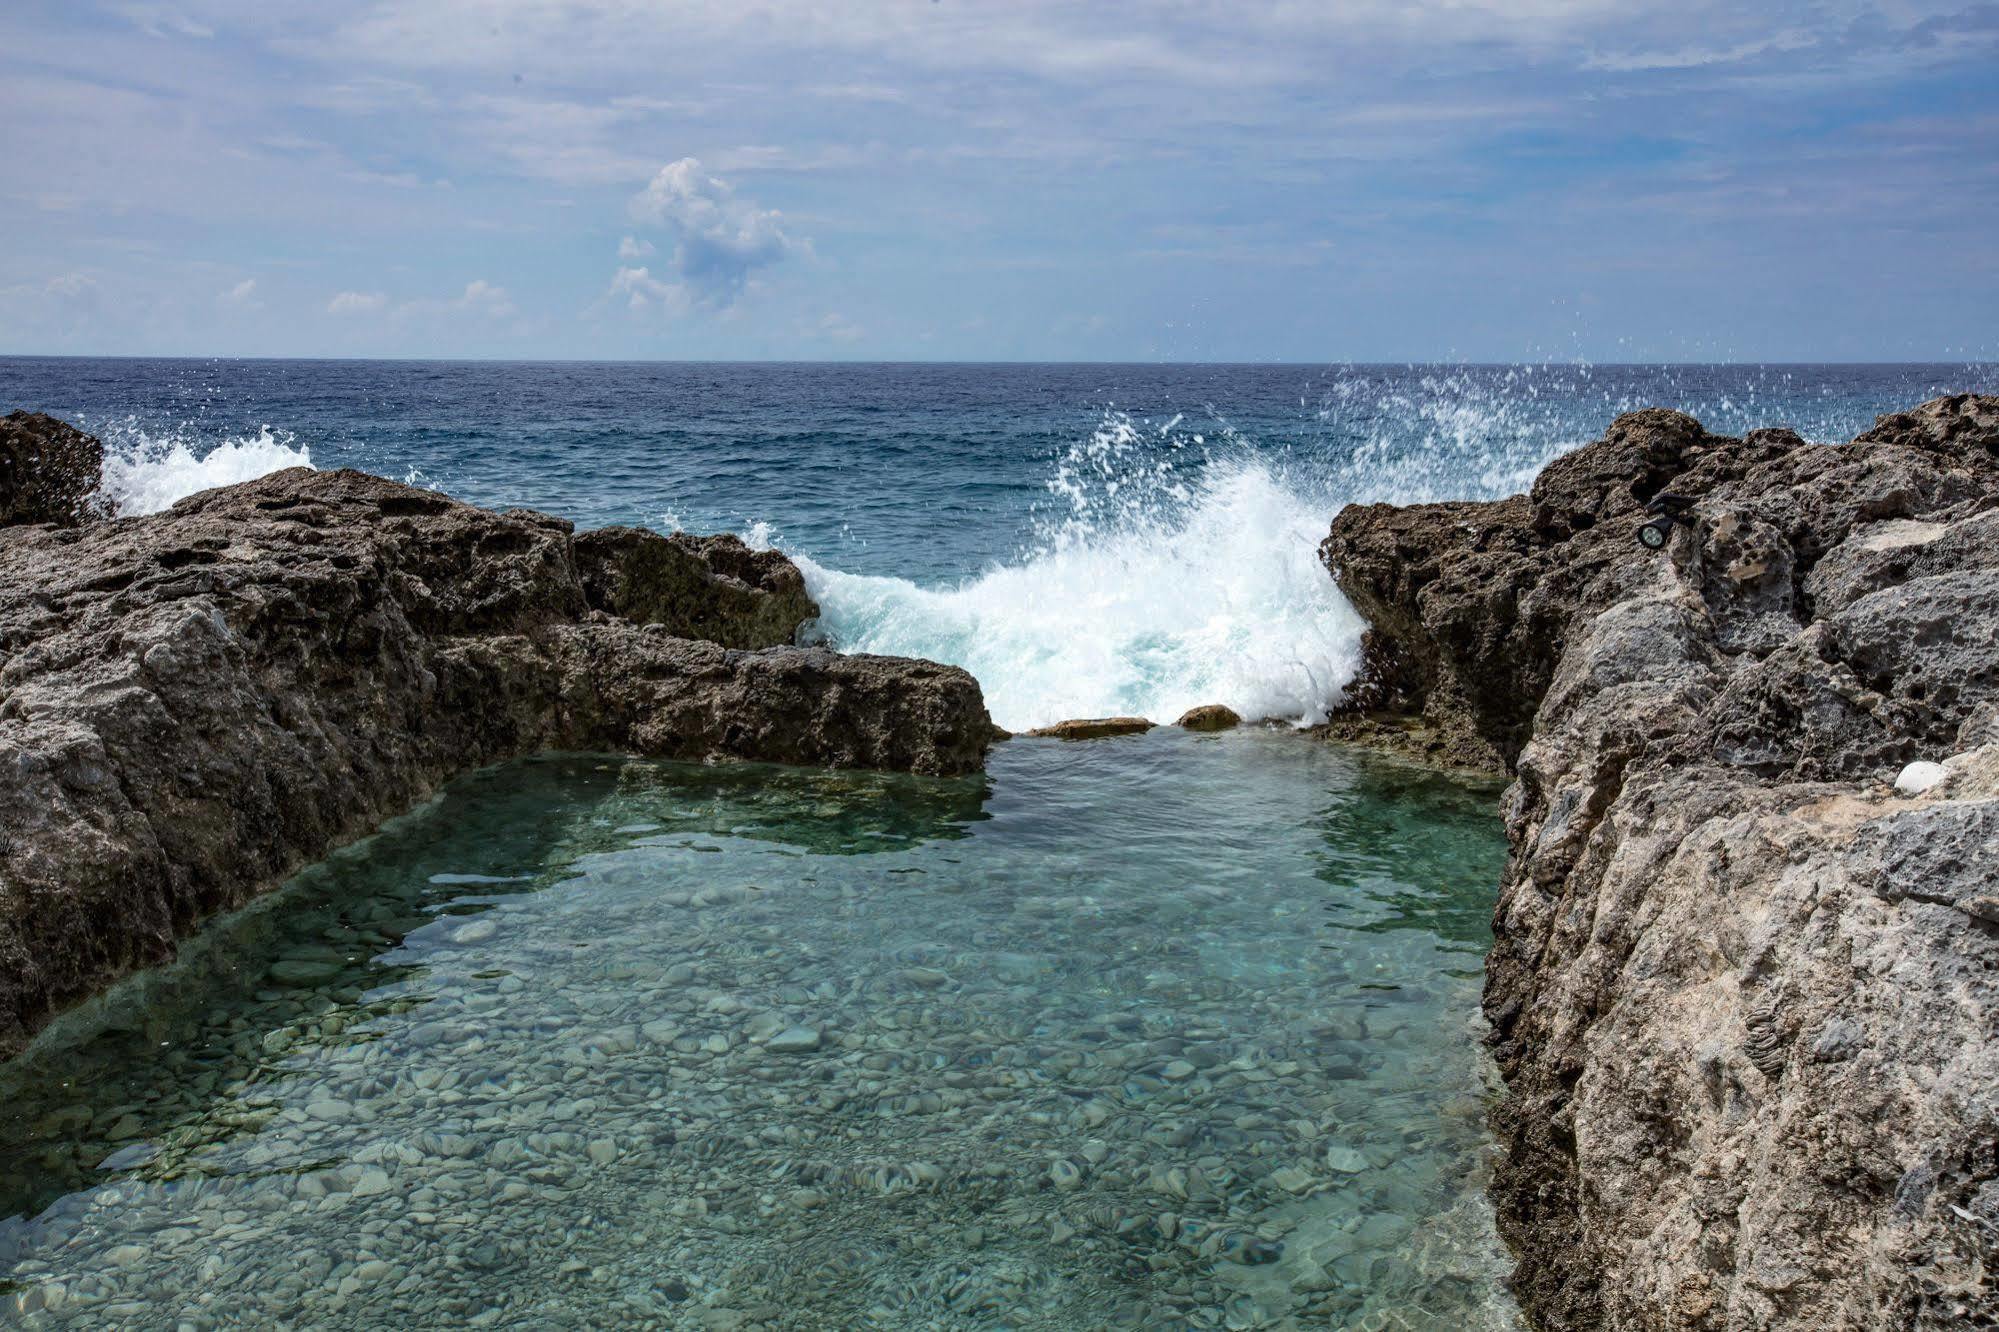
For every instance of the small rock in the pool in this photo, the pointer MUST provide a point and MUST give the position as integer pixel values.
(303, 972)
(1209, 717)
(795, 1040)
(1292, 1180)
(1092, 728)
(1346, 1160)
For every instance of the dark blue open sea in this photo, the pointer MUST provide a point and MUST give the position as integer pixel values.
(1163, 1031)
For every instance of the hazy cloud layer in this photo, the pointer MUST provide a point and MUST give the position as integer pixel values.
(1182, 178)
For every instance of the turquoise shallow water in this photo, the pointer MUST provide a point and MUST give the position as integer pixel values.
(1167, 1031)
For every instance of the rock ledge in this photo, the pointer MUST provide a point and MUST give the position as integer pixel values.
(1743, 993)
(196, 703)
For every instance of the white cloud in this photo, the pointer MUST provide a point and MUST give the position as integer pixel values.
(486, 298)
(834, 327)
(631, 247)
(641, 290)
(1696, 57)
(243, 293)
(74, 287)
(356, 303)
(720, 239)
(163, 21)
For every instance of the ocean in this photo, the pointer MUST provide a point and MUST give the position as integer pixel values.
(1086, 539)
(1168, 1030)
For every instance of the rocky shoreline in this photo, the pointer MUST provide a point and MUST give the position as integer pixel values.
(195, 704)
(1744, 991)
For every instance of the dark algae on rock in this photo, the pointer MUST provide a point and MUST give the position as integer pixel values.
(196, 703)
(1744, 994)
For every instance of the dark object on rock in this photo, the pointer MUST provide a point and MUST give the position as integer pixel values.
(1741, 994)
(714, 587)
(1209, 717)
(1671, 511)
(49, 471)
(1092, 728)
(195, 704)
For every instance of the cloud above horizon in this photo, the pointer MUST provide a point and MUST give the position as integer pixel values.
(1190, 179)
(719, 240)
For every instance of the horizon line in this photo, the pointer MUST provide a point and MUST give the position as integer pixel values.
(1406, 363)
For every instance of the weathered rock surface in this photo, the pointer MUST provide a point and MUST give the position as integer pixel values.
(1745, 997)
(714, 588)
(1209, 717)
(1092, 728)
(194, 704)
(49, 471)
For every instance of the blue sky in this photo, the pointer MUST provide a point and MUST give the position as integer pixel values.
(1377, 180)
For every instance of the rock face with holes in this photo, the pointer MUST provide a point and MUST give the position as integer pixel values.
(713, 588)
(196, 703)
(49, 471)
(1744, 995)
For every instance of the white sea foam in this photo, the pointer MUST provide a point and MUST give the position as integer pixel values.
(145, 473)
(1154, 587)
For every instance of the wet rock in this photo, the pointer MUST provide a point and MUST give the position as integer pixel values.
(49, 471)
(1346, 1160)
(303, 972)
(200, 701)
(1209, 717)
(1735, 974)
(795, 1040)
(1093, 728)
(714, 588)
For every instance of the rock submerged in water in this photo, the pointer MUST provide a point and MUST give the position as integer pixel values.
(795, 1040)
(1092, 728)
(1741, 994)
(196, 703)
(1209, 717)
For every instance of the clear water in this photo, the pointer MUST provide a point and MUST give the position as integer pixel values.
(1163, 1031)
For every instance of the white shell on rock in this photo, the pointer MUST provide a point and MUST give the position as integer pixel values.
(1919, 777)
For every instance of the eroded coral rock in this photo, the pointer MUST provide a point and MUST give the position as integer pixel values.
(49, 471)
(1742, 993)
(714, 588)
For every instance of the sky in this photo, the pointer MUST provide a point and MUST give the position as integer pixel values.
(1379, 180)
